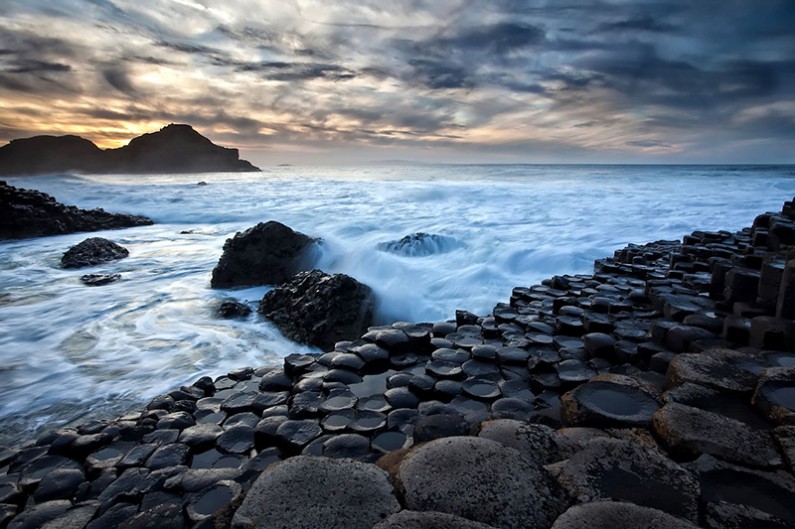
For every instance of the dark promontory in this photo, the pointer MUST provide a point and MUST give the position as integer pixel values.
(173, 149)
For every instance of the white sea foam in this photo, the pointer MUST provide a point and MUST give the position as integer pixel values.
(69, 352)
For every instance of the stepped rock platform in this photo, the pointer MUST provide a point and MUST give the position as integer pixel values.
(658, 391)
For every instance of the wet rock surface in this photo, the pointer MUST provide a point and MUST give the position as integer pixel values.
(649, 393)
(421, 244)
(269, 253)
(28, 213)
(93, 251)
(320, 309)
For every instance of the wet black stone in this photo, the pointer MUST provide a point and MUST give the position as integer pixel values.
(403, 360)
(305, 404)
(372, 354)
(297, 364)
(308, 384)
(339, 399)
(214, 459)
(86, 444)
(388, 441)
(401, 398)
(512, 355)
(239, 402)
(443, 328)
(114, 516)
(545, 380)
(342, 375)
(374, 403)
(421, 384)
(212, 499)
(169, 455)
(60, 484)
(247, 419)
(569, 325)
(512, 408)
(130, 484)
(347, 361)
(574, 372)
(481, 389)
(231, 309)
(484, 352)
(265, 400)
(275, 380)
(599, 344)
(463, 317)
(570, 342)
(432, 427)
(296, 434)
(265, 430)
(444, 369)
(595, 322)
(399, 380)
(368, 421)
(176, 421)
(479, 368)
(167, 515)
(338, 421)
(209, 417)
(39, 515)
(446, 390)
(347, 445)
(393, 340)
(400, 418)
(518, 389)
(455, 356)
(237, 440)
(36, 470)
(93, 251)
(97, 280)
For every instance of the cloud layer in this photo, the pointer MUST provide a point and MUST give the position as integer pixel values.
(494, 81)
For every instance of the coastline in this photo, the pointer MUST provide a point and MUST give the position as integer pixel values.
(637, 335)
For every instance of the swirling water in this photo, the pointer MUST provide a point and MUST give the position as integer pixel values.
(69, 352)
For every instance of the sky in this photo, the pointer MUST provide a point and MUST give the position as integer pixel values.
(328, 82)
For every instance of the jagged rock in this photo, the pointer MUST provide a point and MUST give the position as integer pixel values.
(691, 432)
(620, 470)
(617, 515)
(307, 492)
(97, 280)
(480, 480)
(173, 149)
(28, 213)
(93, 251)
(269, 253)
(233, 310)
(320, 309)
(421, 244)
(428, 520)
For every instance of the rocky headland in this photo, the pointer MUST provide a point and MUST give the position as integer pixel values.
(29, 213)
(173, 149)
(658, 391)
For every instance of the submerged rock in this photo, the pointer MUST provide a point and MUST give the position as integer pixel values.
(320, 309)
(96, 280)
(421, 244)
(28, 213)
(93, 251)
(269, 253)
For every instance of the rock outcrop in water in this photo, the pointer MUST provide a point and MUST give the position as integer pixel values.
(421, 244)
(93, 251)
(269, 253)
(173, 149)
(658, 391)
(28, 213)
(320, 309)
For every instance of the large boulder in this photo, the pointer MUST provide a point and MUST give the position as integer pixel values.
(93, 251)
(320, 309)
(28, 213)
(269, 253)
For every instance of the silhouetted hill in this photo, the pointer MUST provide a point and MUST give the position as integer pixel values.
(173, 149)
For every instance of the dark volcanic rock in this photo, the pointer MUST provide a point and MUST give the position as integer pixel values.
(266, 254)
(93, 251)
(173, 149)
(97, 280)
(320, 309)
(421, 244)
(28, 213)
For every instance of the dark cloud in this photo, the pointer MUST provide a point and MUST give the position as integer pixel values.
(648, 144)
(285, 71)
(119, 79)
(35, 66)
(499, 39)
(638, 23)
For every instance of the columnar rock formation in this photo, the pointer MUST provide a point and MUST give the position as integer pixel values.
(656, 392)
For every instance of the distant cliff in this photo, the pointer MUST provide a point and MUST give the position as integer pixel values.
(173, 149)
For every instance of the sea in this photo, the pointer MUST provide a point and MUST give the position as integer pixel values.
(70, 353)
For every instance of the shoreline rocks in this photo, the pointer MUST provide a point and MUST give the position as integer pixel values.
(27, 213)
(634, 395)
(93, 251)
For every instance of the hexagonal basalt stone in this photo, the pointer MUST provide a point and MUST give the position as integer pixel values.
(606, 404)
(716, 368)
(306, 493)
(212, 499)
(296, 434)
(775, 394)
(169, 455)
(535, 441)
(60, 484)
(625, 471)
(237, 440)
(38, 515)
(691, 432)
(347, 446)
(617, 515)
(503, 488)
